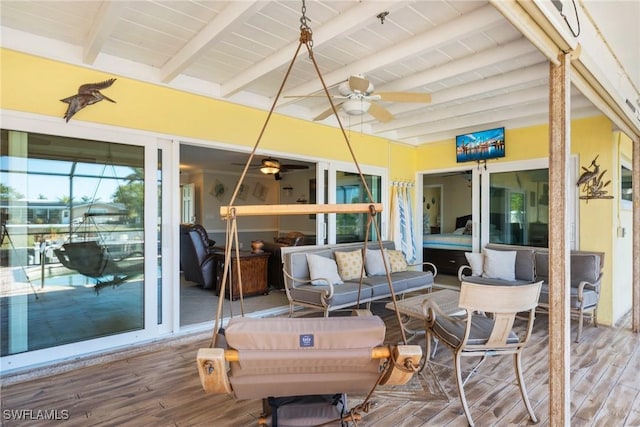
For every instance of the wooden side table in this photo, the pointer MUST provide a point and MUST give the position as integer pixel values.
(253, 267)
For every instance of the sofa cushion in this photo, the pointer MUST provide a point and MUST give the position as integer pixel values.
(373, 262)
(397, 261)
(402, 282)
(349, 264)
(297, 266)
(345, 294)
(525, 262)
(323, 268)
(542, 266)
(476, 262)
(584, 267)
(590, 297)
(499, 264)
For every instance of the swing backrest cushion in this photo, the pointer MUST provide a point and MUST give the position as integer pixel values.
(303, 356)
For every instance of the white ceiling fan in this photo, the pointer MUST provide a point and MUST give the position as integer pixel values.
(359, 98)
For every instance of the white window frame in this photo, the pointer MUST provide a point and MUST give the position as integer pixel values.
(34, 123)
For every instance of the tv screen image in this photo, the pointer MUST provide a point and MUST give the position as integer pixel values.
(482, 145)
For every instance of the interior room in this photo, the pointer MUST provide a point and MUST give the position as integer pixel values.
(208, 179)
(191, 171)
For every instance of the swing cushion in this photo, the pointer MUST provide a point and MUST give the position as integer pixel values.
(303, 356)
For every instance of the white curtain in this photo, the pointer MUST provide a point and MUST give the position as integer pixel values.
(402, 221)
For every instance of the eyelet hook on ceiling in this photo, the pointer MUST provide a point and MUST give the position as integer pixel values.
(382, 15)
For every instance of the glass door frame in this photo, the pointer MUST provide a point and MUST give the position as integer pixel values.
(475, 201)
(326, 178)
(32, 123)
(539, 163)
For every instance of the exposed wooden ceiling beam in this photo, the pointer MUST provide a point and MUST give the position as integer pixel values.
(101, 28)
(521, 122)
(507, 81)
(482, 118)
(495, 55)
(350, 21)
(234, 14)
(478, 19)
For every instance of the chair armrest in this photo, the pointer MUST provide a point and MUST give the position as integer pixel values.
(327, 293)
(431, 310)
(584, 284)
(461, 271)
(431, 266)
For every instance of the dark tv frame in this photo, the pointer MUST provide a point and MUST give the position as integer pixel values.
(481, 145)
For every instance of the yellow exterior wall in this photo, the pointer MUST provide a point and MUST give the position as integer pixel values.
(36, 85)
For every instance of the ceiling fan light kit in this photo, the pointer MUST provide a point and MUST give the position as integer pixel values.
(356, 107)
(359, 98)
(269, 170)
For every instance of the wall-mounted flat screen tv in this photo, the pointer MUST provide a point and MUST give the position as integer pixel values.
(482, 145)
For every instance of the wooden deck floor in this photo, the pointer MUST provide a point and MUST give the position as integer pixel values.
(161, 388)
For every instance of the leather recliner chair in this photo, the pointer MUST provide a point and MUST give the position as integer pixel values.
(197, 255)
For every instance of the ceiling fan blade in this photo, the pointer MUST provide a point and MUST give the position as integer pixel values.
(326, 113)
(305, 96)
(358, 83)
(285, 168)
(244, 164)
(380, 113)
(404, 97)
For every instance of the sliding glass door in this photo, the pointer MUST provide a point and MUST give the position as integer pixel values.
(343, 185)
(73, 240)
(519, 207)
(516, 206)
(84, 254)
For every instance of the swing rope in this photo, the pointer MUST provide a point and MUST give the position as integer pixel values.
(231, 212)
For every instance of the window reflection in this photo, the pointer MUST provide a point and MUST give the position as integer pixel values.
(626, 192)
(350, 189)
(519, 208)
(71, 258)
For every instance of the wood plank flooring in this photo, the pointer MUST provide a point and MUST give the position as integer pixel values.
(161, 388)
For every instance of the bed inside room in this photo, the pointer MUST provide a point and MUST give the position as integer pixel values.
(446, 250)
(446, 219)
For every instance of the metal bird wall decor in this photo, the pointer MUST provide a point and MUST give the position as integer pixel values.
(87, 94)
(592, 182)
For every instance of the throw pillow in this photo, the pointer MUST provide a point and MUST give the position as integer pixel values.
(476, 262)
(373, 262)
(323, 268)
(397, 261)
(499, 264)
(349, 264)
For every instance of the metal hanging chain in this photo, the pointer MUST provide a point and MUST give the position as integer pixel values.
(305, 28)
